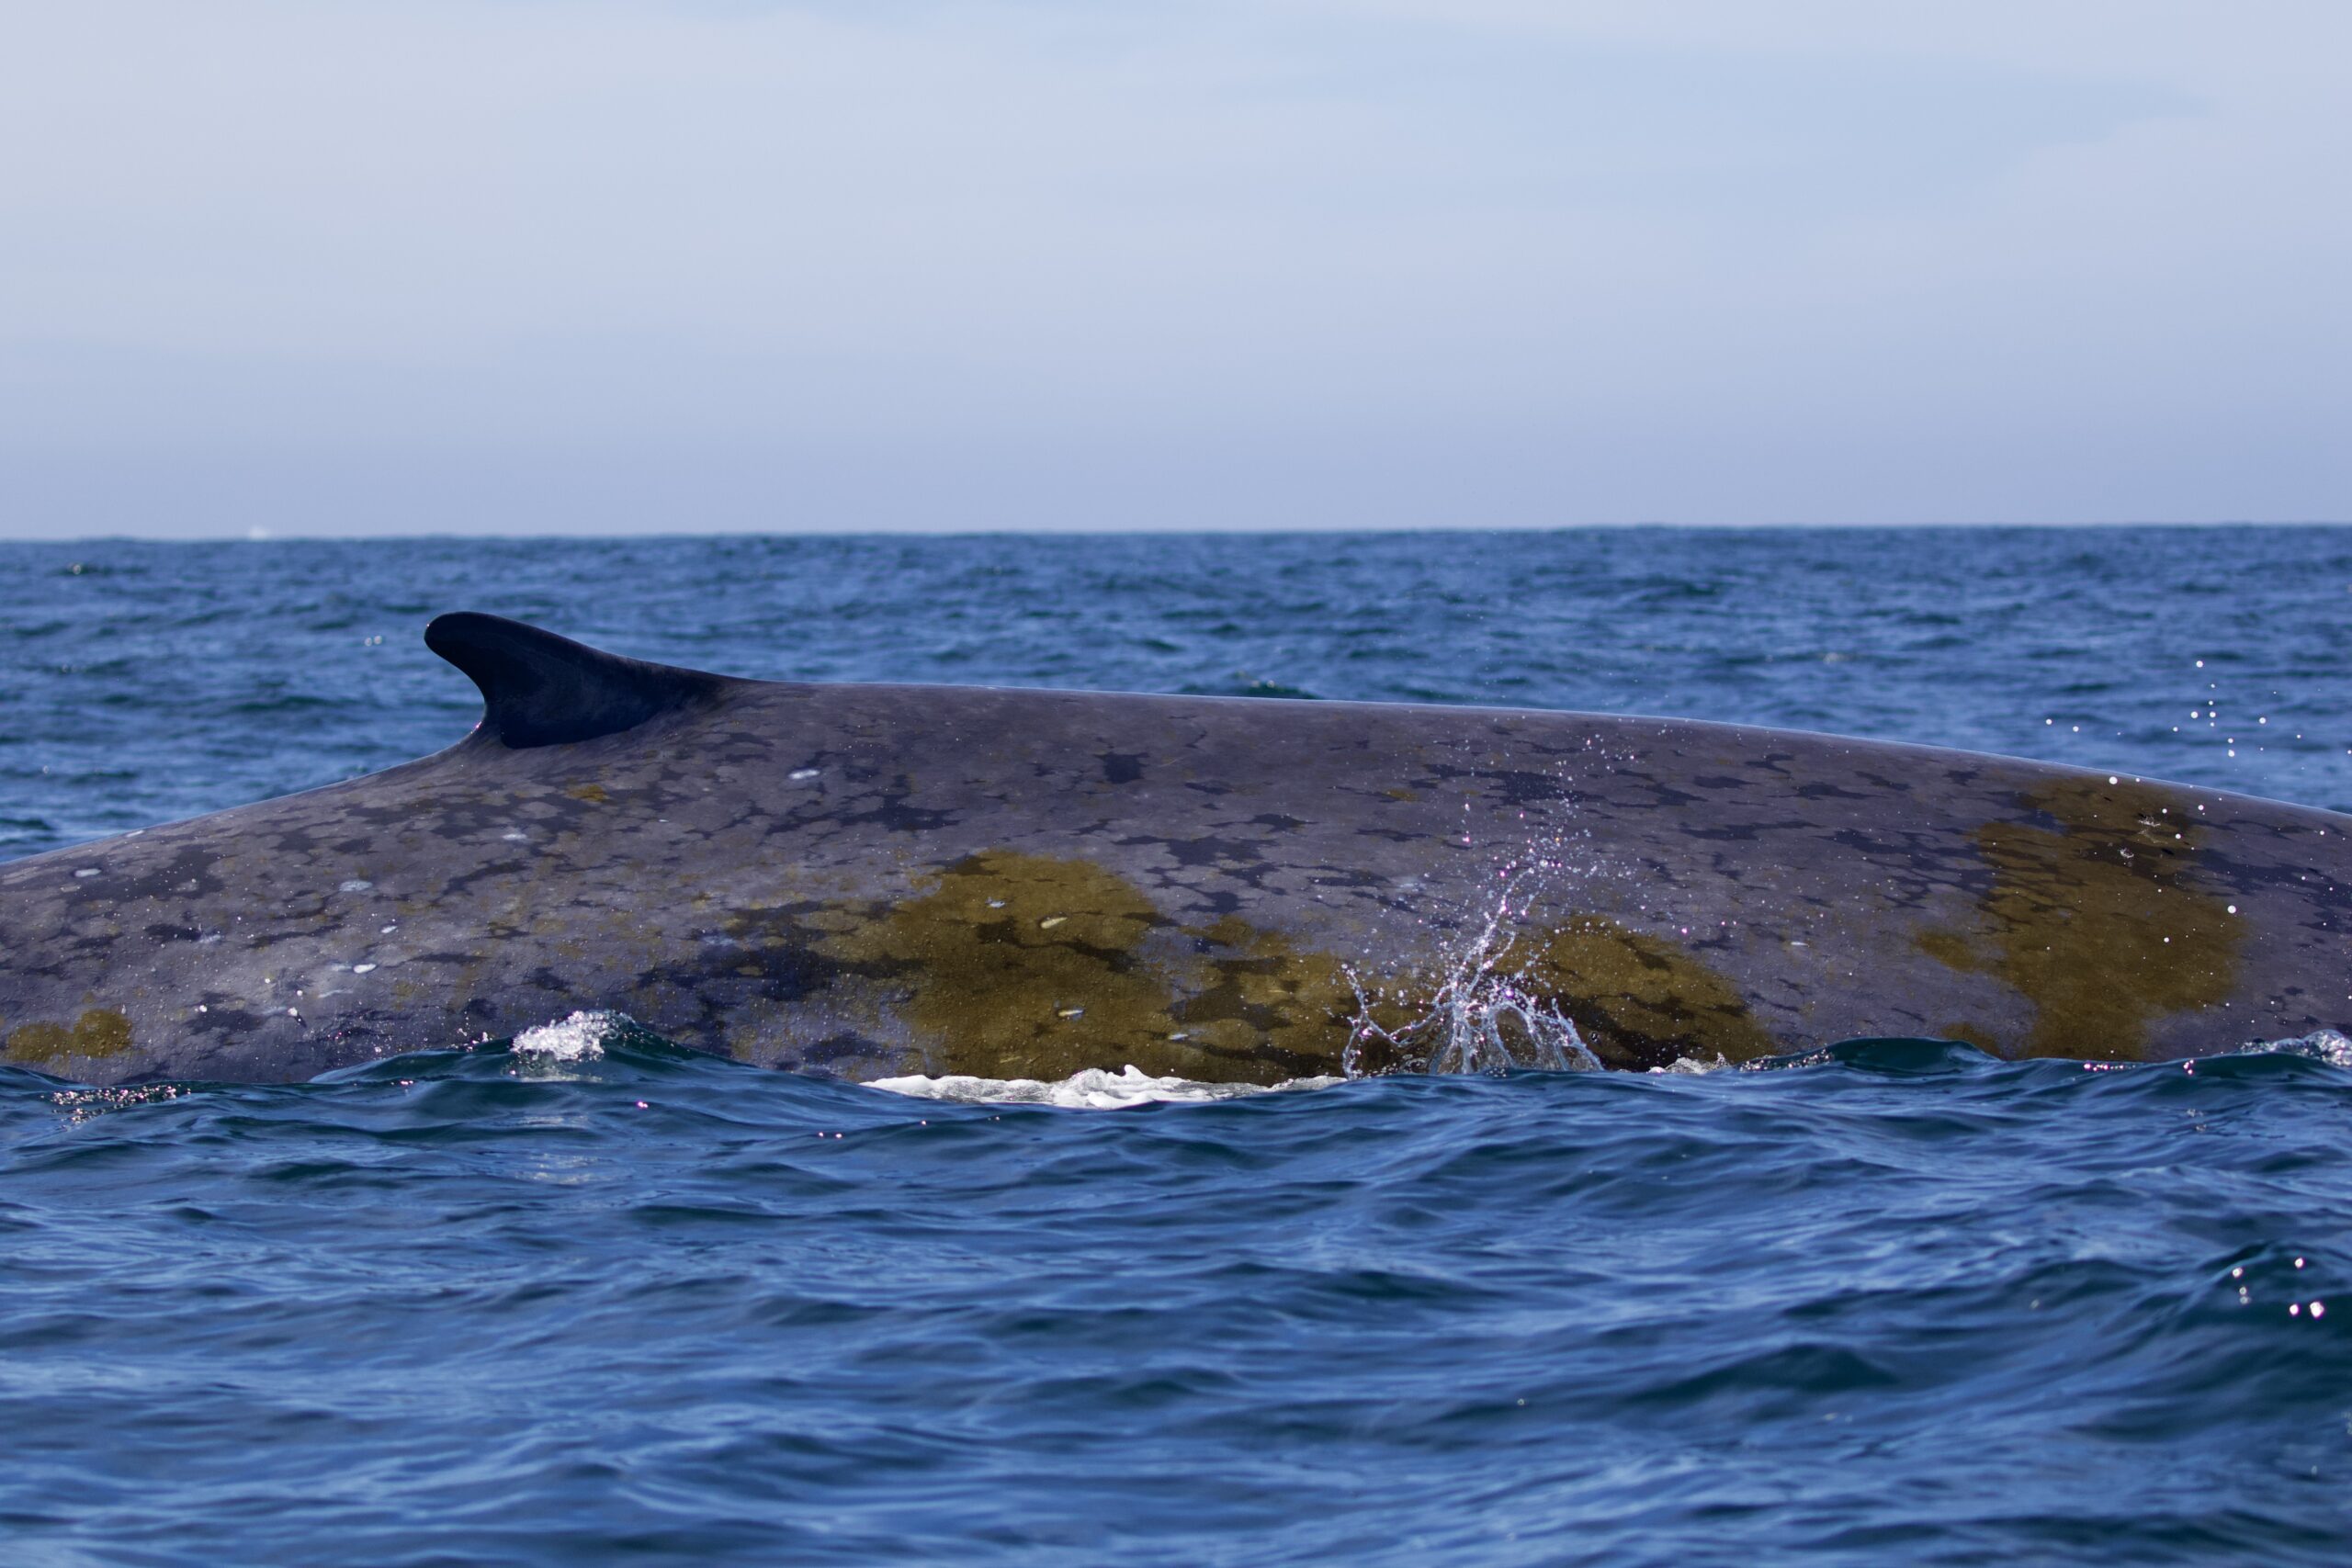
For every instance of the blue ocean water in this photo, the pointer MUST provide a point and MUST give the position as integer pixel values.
(605, 1300)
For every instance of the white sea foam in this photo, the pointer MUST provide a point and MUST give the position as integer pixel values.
(575, 1039)
(1093, 1090)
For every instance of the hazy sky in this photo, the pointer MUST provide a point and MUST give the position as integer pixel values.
(533, 265)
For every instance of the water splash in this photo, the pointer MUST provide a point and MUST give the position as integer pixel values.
(1484, 1018)
(579, 1038)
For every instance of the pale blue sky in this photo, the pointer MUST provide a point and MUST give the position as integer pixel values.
(549, 266)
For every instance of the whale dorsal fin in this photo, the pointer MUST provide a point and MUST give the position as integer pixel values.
(539, 689)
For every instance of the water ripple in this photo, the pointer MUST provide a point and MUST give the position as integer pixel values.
(475, 1309)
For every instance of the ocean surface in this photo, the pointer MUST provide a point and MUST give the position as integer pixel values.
(584, 1297)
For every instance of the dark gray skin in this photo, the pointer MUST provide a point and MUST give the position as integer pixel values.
(870, 880)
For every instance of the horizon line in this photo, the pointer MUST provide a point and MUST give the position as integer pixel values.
(260, 534)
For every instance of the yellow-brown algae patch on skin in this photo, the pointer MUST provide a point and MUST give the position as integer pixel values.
(98, 1032)
(1025, 966)
(1641, 1002)
(1275, 1011)
(1021, 966)
(2096, 920)
(594, 794)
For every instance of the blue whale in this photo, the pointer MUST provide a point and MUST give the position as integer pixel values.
(870, 880)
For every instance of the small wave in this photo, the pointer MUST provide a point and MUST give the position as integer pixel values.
(1895, 1057)
(2326, 1045)
(1881, 1056)
(1092, 1089)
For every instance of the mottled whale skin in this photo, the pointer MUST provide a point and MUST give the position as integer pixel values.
(870, 880)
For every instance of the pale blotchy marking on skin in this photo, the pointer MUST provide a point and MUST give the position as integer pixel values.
(2096, 920)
